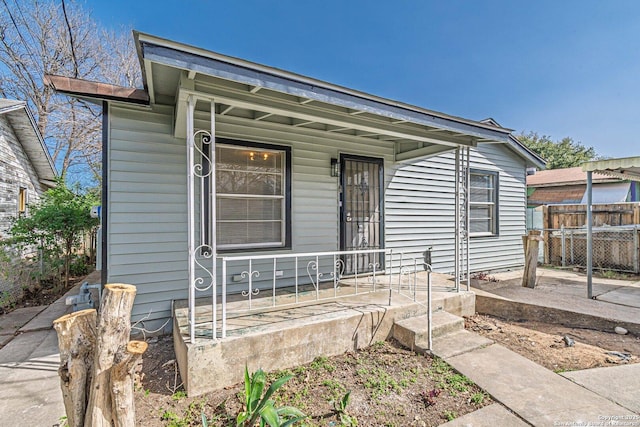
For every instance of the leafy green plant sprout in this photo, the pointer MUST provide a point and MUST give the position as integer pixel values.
(259, 406)
(450, 415)
(178, 395)
(341, 409)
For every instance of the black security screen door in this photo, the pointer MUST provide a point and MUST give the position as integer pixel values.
(361, 212)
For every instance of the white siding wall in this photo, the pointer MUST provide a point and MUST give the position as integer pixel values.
(15, 171)
(147, 200)
(420, 209)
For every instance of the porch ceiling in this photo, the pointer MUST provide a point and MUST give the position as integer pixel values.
(252, 92)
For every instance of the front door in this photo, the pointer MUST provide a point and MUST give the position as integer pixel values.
(361, 212)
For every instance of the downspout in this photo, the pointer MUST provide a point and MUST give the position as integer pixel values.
(105, 190)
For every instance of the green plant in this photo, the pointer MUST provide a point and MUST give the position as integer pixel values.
(458, 382)
(340, 408)
(173, 419)
(450, 415)
(378, 381)
(259, 406)
(179, 395)
(56, 224)
(477, 398)
(322, 362)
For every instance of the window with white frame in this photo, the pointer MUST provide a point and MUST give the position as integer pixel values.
(483, 203)
(253, 201)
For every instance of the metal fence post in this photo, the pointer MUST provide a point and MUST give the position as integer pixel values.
(571, 246)
(563, 245)
(636, 251)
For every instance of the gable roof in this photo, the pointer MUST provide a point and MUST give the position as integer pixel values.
(565, 176)
(24, 125)
(516, 145)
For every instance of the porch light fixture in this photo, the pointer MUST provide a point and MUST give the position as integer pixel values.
(335, 168)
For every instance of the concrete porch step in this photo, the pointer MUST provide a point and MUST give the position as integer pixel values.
(413, 331)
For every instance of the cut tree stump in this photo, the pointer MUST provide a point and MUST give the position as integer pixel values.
(112, 336)
(122, 382)
(76, 341)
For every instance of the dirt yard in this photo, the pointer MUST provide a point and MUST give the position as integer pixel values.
(544, 343)
(390, 386)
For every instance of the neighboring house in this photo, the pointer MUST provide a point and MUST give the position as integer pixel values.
(300, 166)
(569, 186)
(26, 169)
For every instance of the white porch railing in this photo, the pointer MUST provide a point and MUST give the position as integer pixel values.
(250, 283)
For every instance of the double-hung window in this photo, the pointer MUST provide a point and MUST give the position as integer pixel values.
(483, 203)
(253, 197)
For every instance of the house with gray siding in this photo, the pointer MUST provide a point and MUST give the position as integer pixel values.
(224, 177)
(26, 169)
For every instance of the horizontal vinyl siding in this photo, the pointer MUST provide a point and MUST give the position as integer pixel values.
(147, 210)
(420, 210)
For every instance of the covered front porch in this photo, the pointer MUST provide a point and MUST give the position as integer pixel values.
(283, 327)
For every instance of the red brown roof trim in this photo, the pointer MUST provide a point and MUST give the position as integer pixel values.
(97, 90)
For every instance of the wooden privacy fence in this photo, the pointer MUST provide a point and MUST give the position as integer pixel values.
(615, 236)
(615, 214)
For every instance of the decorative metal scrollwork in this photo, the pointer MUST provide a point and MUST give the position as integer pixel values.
(204, 168)
(250, 275)
(315, 276)
(311, 267)
(339, 269)
(206, 252)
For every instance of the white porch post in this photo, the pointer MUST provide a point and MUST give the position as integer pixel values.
(456, 259)
(201, 246)
(467, 215)
(214, 231)
(190, 217)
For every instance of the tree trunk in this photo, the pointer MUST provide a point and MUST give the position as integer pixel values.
(114, 327)
(122, 378)
(76, 341)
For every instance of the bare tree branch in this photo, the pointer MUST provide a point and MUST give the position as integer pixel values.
(40, 37)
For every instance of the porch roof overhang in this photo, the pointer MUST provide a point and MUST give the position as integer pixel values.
(623, 168)
(247, 91)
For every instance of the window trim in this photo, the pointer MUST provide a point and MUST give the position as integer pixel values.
(496, 200)
(252, 247)
(23, 200)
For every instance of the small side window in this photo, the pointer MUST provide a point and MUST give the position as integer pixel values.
(22, 200)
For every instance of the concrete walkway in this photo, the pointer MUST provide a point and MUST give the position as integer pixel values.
(561, 297)
(29, 360)
(534, 394)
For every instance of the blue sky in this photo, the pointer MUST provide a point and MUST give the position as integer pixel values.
(559, 68)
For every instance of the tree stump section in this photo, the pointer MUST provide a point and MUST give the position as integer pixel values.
(97, 361)
(76, 341)
(531, 244)
(114, 328)
(122, 382)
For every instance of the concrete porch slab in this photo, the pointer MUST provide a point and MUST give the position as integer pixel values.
(287, 337)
